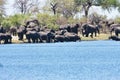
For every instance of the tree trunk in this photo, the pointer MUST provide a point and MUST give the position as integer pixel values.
(86, 14)
(54, 11)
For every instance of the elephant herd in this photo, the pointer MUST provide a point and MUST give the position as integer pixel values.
(33, 33)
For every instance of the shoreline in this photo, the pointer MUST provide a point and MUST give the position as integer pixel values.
(98, 38)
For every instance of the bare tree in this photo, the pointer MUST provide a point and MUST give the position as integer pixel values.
(54, 7)
(67, 8)
(27, 6)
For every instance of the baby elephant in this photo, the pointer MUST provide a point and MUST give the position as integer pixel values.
(116, 38)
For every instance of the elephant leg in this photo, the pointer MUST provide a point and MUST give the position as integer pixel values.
(10, 40)
(20, 37)
(40, 40)
(87, 34)
(36, 41)
(48, 40)
(116, 33)
(29, 41)
(95, 34)
(111, 33)
(91, 35)
(13, 34)
(33, 40)
(5, 41)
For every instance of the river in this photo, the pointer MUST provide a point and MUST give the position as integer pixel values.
(85, 60)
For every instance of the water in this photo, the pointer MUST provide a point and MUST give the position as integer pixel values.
(87, 60)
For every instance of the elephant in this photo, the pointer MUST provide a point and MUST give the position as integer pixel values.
(13, 31)
(116, 38)
(71, 37)
(35, 21)
(88, 28)
(48, 36)
(2, 30)
(6, 37)
(65, 27)
(21, 31)
(34, 36)
(66, 36)
(70, 28)
(116, 30)
(59, 38)
(109, 23)
(35, 28)
(74, 29)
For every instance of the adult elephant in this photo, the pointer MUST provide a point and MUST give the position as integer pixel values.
(71, 37)
(13, 31)
(35, 28)
(65, 27)
(59, 38)
(116, 30)
(116, 38)
(74, 28)
(35, 21)
(21, 31)
(88, 28)
(2, 30)
(6, 37)
(33, 36)
(70, 28)
(47, 36)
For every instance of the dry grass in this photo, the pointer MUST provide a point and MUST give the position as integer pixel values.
(99, 37)
(16, 41)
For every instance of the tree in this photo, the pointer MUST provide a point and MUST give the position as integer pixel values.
(67, 8)
(27, 6)
(105, 4)
(54, 7)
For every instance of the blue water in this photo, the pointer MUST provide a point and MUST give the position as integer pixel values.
(86, 60)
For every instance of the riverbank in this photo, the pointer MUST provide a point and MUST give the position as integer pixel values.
(99, 37)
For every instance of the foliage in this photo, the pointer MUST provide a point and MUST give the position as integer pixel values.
(96, 18)
(47, 20)
(6, 23)
(67, 8)
(105, 4)
(117, 19)
(15, 20)
(27, 6)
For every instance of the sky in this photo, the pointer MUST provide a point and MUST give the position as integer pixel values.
(10, 10)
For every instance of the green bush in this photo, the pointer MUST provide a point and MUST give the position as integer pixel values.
(117, 19)
(50, 21)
